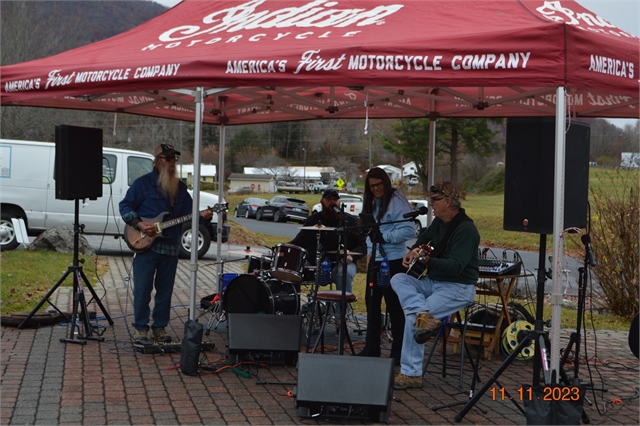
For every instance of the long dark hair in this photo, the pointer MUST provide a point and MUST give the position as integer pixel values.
(368, 203)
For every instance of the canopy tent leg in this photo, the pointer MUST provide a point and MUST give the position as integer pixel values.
(558, 224)
(431, 175)
(220, 198)
(195, 219)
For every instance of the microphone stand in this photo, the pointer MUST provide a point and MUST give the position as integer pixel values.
(343, 331)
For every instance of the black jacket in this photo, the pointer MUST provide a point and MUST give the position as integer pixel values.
(307, 239)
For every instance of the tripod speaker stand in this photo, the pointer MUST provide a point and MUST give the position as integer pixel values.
(538, 335)
(80, 312)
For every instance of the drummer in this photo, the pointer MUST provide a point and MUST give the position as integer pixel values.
(329, 239)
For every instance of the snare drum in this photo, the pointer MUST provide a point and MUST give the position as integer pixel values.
(309, 275)
(250, 294)
(259, 264)
(288, 261)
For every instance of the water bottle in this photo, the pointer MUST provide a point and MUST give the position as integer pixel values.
(325, 274)
(385, 273)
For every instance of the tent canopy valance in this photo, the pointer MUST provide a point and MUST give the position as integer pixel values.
(265, 61)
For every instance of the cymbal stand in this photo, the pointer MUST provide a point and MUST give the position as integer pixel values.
(344, 330)
(217, 311)
(313, 303)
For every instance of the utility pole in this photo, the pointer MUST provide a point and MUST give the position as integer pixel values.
(304, 171)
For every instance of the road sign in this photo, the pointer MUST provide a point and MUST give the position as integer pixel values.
(340, 183)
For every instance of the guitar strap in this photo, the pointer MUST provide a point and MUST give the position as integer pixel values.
(457, 220)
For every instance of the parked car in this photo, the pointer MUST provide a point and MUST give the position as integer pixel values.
(420, 221)
(353, 204)
(241, 190)
(413, 181)
(249, 207)
(281, 209)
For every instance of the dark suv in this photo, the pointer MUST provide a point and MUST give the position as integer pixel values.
(281, 208)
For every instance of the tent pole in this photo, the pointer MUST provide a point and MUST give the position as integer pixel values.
(558, 224)
(432, 157)
(195, 219)
(220, 198)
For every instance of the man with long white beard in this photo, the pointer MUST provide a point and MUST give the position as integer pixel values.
(157, 192)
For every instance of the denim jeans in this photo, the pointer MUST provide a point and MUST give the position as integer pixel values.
(439, 298)
(153, 270)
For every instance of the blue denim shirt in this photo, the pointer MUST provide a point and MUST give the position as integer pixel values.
(145, 201)
(396, 235)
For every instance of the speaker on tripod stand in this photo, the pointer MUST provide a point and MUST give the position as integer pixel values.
(528, 207)
(78, 175)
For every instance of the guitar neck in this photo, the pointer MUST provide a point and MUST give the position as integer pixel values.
(176, 221)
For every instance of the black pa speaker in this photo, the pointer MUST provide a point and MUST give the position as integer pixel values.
(344, 387)
(529, 175)
(78, 164)
(271, 339)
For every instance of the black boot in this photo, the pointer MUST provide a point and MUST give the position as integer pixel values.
(367, 351)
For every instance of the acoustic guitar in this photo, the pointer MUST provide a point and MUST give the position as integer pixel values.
(418, 269)
(140, 242)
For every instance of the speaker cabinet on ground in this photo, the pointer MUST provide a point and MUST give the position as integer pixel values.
(78, 164)
(271, 339)
(529, 175)
(344, 387)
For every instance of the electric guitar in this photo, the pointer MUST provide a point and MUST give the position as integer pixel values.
(418, 269)
(140, 242)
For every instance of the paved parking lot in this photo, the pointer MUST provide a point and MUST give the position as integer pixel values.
(45, 381)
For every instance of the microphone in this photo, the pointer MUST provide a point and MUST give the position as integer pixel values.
(416, 213)
(335, 209)
(586, 240)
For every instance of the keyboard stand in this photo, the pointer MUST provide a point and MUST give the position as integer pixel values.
(505, 295)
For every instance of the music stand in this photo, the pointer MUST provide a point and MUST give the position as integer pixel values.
(80, 311)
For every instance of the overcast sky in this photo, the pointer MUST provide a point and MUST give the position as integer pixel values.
(624, 14)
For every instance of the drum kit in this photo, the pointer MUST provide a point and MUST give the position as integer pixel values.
(272, 284)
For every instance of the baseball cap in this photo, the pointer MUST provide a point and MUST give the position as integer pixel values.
(166, 150)
(444, 189)
(330, 193)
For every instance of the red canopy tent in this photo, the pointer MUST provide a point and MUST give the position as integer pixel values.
(288, 60)
(254, 61)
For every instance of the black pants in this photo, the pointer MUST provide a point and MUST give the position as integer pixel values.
(373, 298)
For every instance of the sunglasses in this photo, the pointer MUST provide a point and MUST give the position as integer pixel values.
(434, 199)
(170, 159)
(437, 191)
(377, 185)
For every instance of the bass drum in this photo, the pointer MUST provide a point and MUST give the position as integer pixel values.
(250, 294)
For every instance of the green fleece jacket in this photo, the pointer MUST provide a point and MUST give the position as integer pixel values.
(458, 261)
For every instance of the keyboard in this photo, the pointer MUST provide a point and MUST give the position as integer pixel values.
(494, 267)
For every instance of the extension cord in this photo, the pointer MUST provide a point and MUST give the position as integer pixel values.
(167, 347)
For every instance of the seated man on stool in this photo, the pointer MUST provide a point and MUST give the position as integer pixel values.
(328, 216)
(448, 285)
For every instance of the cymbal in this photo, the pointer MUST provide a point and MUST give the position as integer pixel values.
(342, 252)
(248, 252)
(318, 227)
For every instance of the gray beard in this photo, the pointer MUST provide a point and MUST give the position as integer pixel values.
(168, 183)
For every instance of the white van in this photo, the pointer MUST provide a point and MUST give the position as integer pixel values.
(28, 192)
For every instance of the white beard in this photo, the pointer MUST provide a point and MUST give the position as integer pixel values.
(168, 183)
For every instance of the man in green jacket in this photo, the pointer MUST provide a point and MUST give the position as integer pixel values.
(443, 272)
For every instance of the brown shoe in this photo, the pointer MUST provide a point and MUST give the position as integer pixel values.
(426, 326)
(403, 381)
(159, 334)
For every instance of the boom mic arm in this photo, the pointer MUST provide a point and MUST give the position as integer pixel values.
(416, 213)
